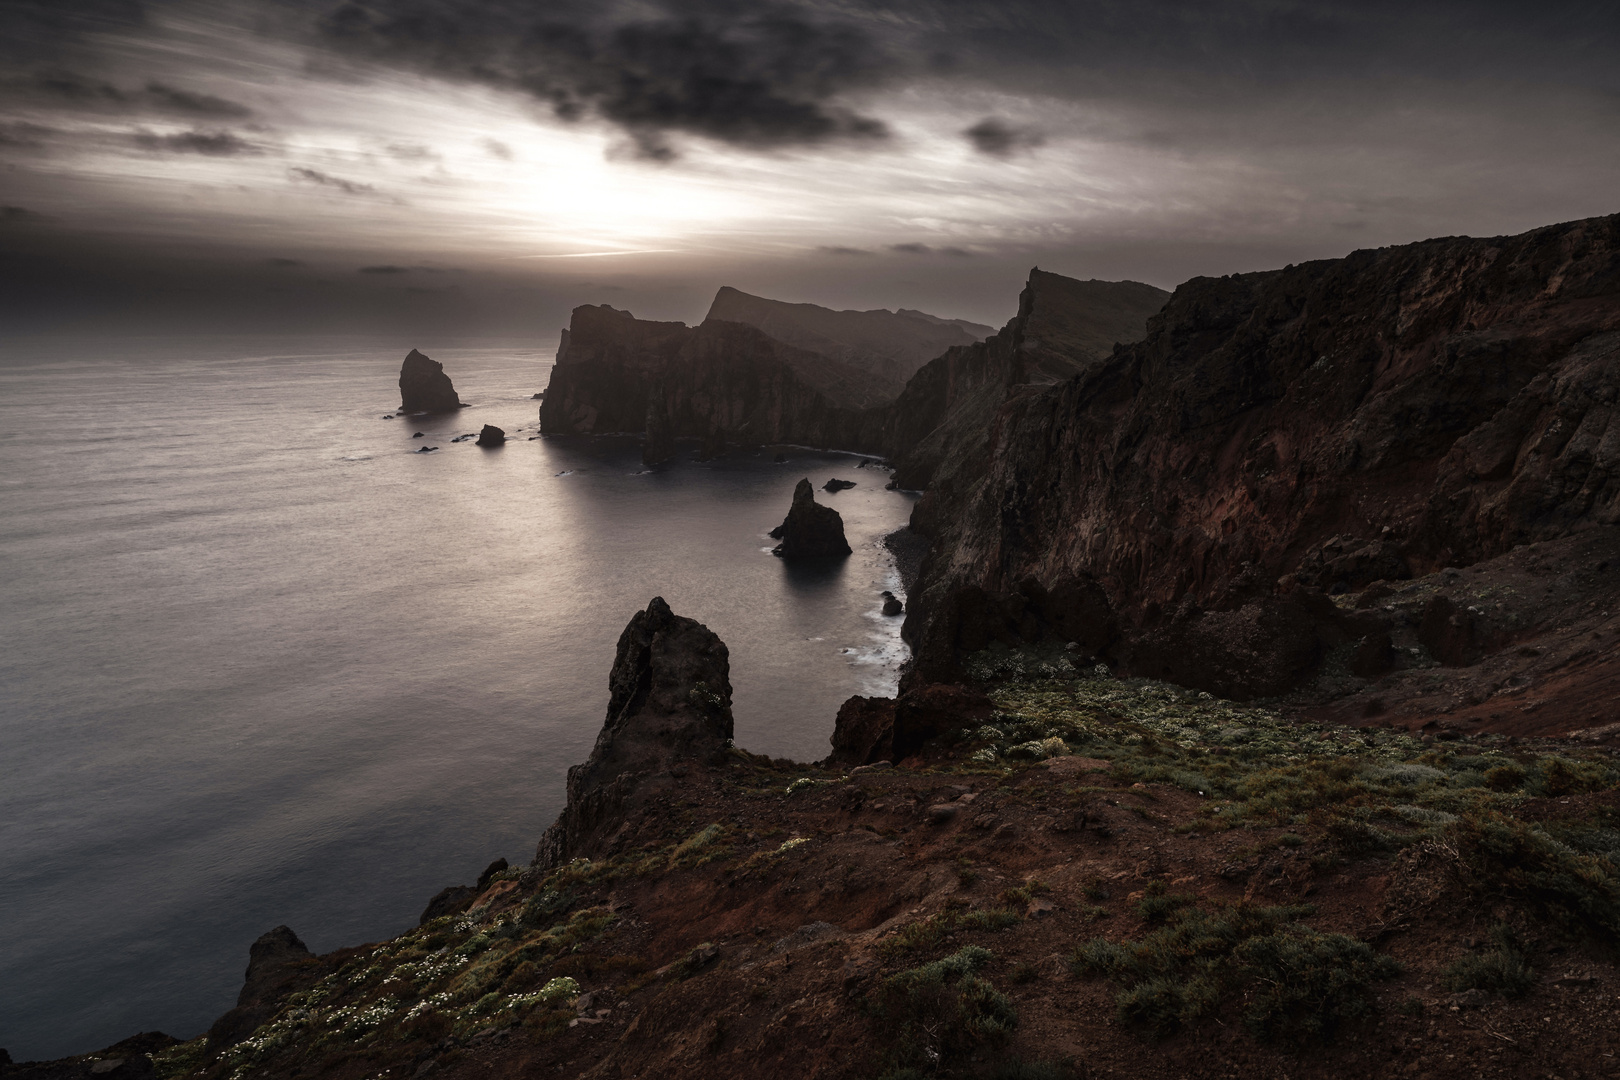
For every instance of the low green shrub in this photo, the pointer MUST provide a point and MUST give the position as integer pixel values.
(1300, 983)
(1502, 969)
(941, 1010)
(1502, 855)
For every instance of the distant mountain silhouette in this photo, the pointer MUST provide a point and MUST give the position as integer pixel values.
(889, 344)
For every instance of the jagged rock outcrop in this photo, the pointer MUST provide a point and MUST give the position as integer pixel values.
(1185, 506)
(669, 702)
(454, 898)
(810, 530)
(424, 387)
(891, 345)
(491, 436)
(273, 962)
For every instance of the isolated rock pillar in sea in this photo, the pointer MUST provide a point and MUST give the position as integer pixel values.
(810, 531)
(491, 436)
(424, 387)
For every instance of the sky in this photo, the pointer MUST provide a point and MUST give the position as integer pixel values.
(473, 167)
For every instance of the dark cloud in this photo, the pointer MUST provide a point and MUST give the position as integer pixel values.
(187, 103)
(19, 215)
(843, 251)
(384, 270)
(410, 152)
(498, 149)
(910, 249)
(956, 252)
(314, 176)
(764, 75)
(998, 138)
(206, 143)
(63, 89)
(24, 136)
(283, 262)
(35, 30)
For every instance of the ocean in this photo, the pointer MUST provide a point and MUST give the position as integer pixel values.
(264, 664)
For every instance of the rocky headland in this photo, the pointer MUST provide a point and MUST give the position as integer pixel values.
(424, 387)
(733, 383)
(1260, 724)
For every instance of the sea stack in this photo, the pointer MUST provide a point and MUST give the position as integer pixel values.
(491, 435)
(424, 387)
(810, 531)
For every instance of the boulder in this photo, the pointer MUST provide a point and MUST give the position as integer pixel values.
(424, 387)
(491, 436)
(811, 531)
(834, 486)
(931, 710)
(864, 731)
(669, 701)
(892, 604)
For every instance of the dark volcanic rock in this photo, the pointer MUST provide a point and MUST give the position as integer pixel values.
(424, 387)
(834, 486)
(811, 531)
(1186, 505)
(863, 732)
(447, 901)
(669, 700)
(892, 604)
(924, 712)
(274, 961)
(491, 436)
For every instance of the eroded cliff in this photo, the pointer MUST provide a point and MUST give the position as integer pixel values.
(1185, 508)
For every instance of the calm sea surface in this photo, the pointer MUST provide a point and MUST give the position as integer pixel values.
(263, 664)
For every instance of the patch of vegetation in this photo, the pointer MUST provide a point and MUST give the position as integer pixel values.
(1159, 903)
(1502, 855)
(926, 935)
(1299, 984)
(1501, 969)
(941, 1011)
(181, 1059)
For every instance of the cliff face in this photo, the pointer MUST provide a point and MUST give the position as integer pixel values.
(891, 345)
(424, 387)
(726, 381)
(617, 373)
(936, 431)
(1184, 505)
